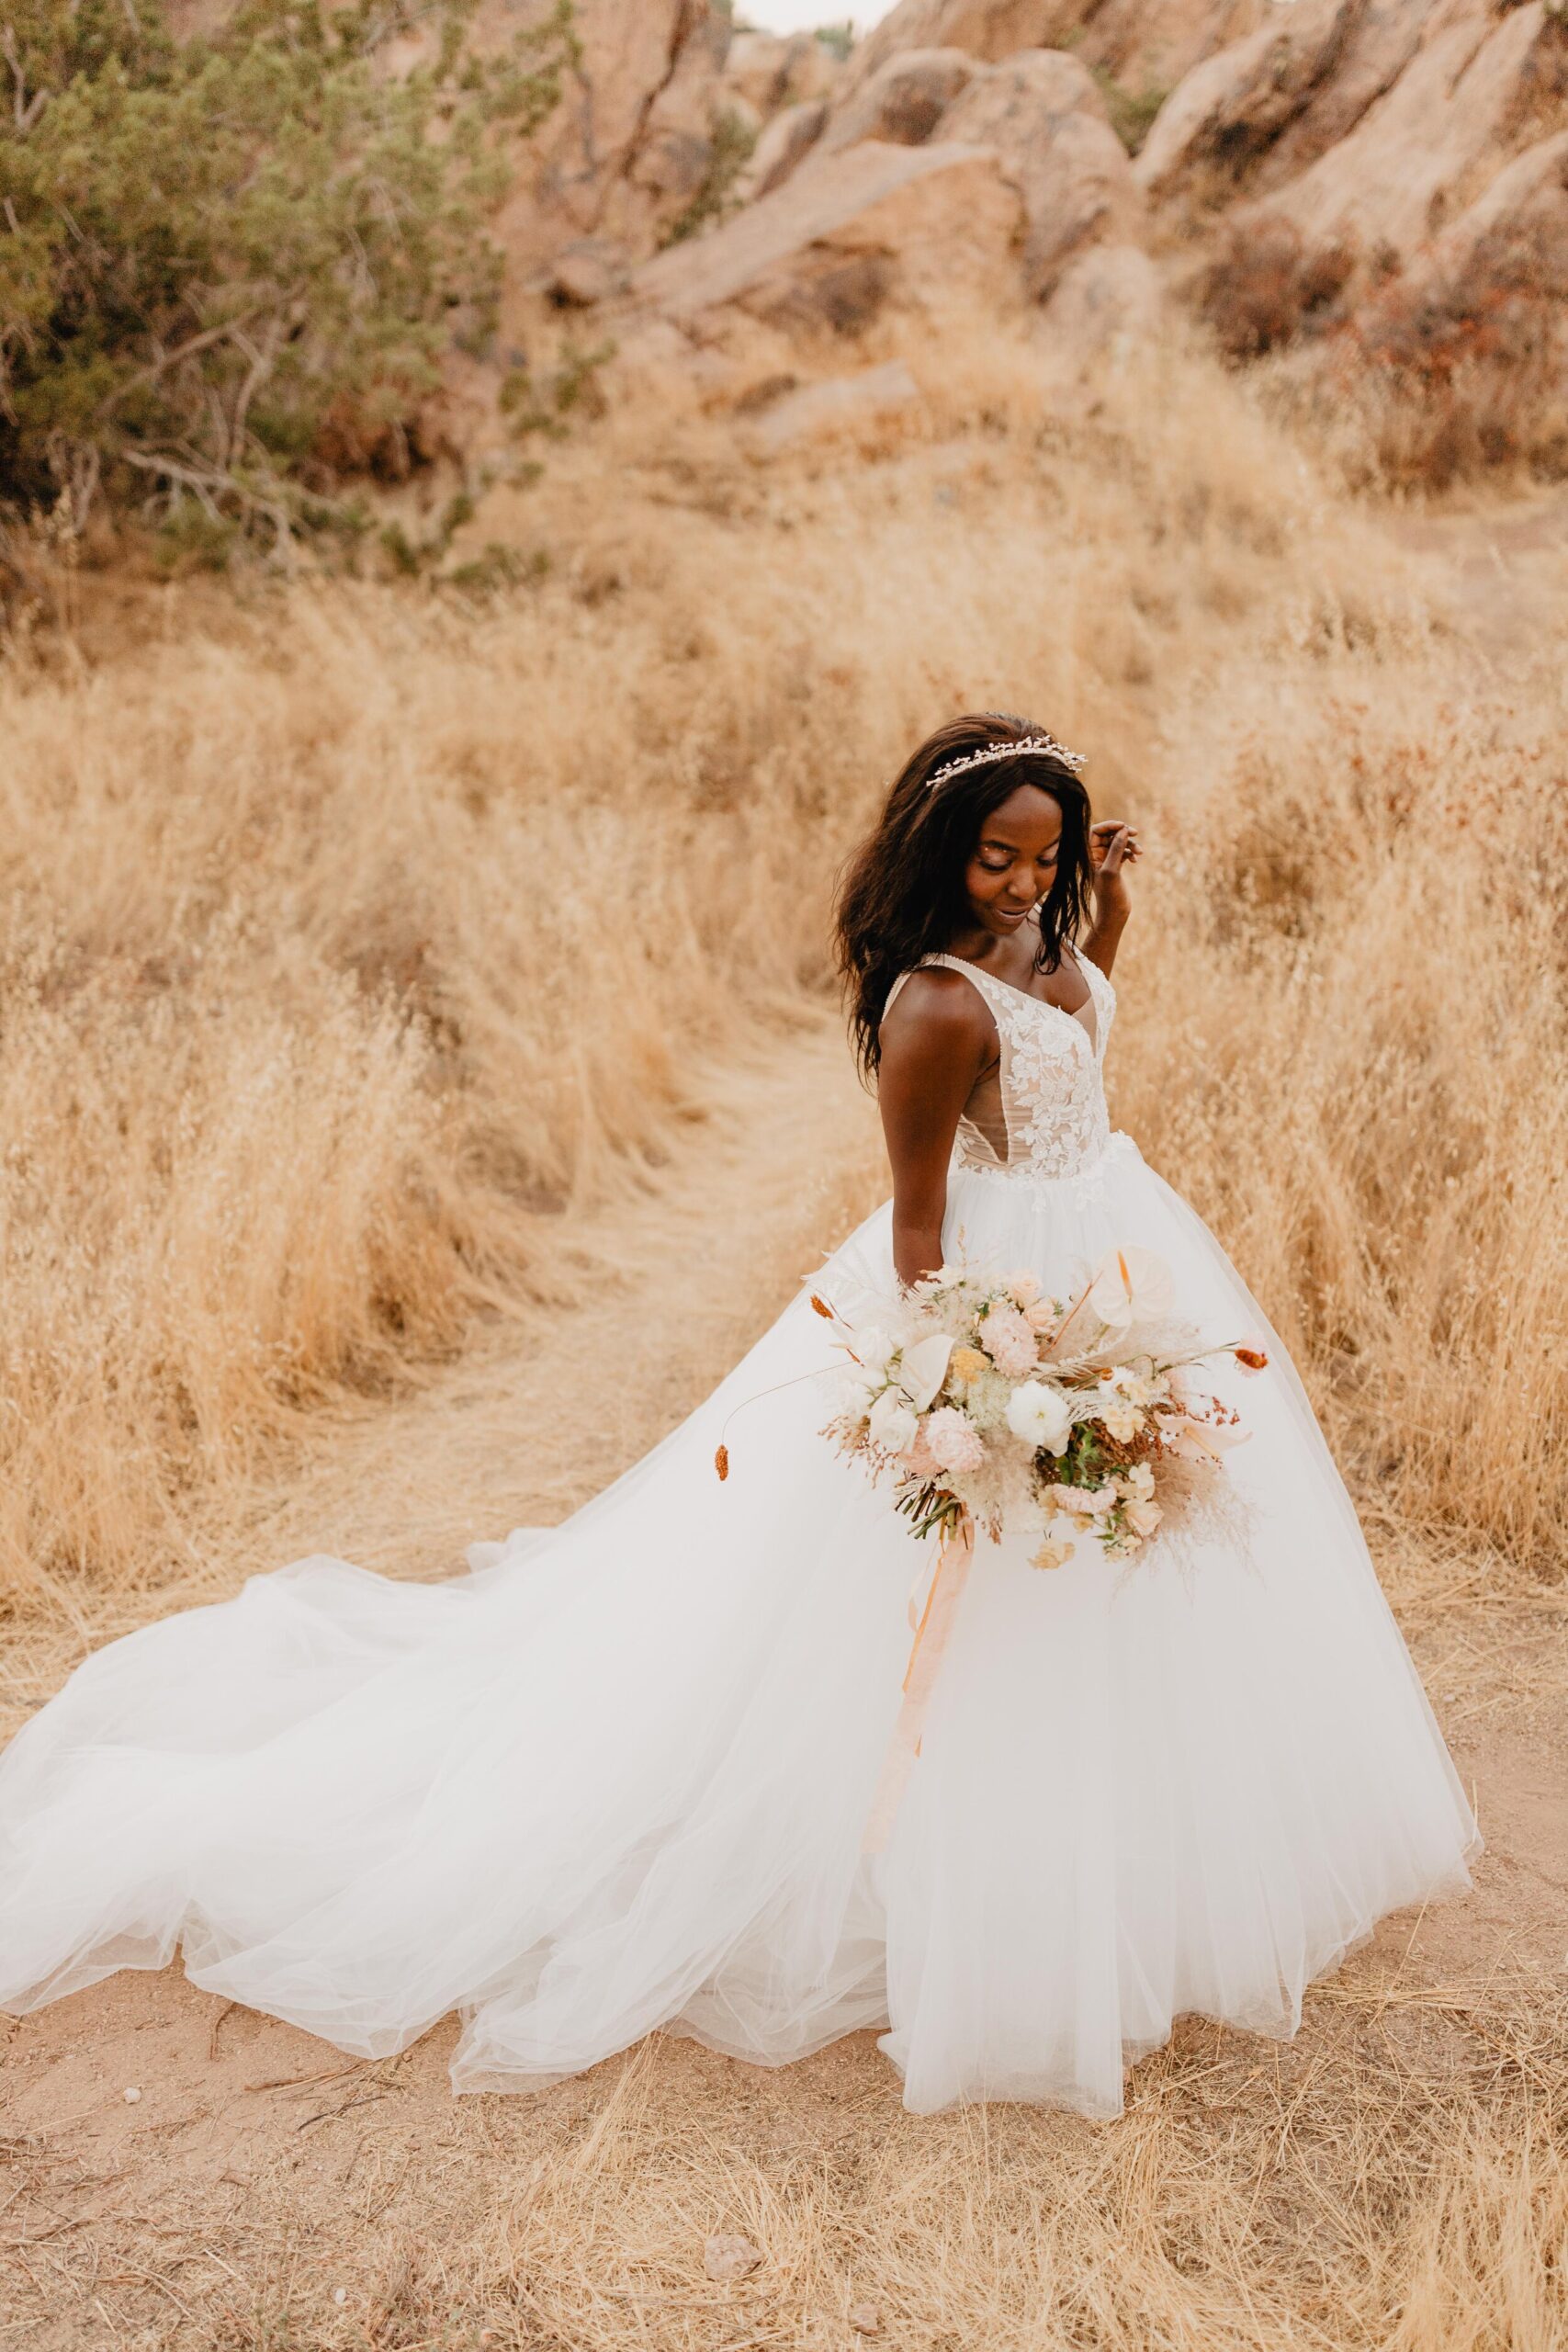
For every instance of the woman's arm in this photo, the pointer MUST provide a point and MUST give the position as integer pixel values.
(935, 1042)
(1112, 847)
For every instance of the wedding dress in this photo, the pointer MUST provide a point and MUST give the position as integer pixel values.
(617, 1776)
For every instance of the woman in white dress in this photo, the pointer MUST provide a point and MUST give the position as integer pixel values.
(618, 1775)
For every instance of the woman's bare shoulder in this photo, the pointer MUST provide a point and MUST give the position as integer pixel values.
(937, 1008)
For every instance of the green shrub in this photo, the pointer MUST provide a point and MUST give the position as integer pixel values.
(228, 268)
(1132, 112)
(733, 140)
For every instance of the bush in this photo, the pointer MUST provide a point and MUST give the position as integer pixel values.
(1464, 373)
(1265, 287)
(733, 141)
(235, 264)
(1132, 112)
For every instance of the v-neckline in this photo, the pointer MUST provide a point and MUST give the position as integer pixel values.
(1076, 1013)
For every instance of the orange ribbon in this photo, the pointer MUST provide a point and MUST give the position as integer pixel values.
(931, 1631)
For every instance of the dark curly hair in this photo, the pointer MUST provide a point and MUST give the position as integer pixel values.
(902, 896)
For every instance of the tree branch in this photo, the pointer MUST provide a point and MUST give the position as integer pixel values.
(187, 350)
(25, 110)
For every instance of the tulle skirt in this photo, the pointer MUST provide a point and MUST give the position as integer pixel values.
(619, 1775)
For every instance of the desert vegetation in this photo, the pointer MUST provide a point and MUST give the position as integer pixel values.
(354, 940)
(236, 263)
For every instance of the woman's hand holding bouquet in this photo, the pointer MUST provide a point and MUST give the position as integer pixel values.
(988, 1404)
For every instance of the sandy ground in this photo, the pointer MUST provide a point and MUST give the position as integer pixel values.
(262, 2190)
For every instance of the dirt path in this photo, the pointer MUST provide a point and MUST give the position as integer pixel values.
(259, 2190)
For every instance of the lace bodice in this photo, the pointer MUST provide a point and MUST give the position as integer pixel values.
(1044, 1114)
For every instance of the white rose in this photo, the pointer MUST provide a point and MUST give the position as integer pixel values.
(1040, 1415)
(1145, 1516)
(892, 1426)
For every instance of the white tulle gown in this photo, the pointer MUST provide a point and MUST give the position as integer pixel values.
(616, 1777)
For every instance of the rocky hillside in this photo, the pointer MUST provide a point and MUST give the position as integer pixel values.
(1382, 184)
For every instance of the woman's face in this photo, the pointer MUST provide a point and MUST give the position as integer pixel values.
(1013, 861)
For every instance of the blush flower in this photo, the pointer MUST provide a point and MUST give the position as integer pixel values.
(954, 1442)
(1009, 1341)
(1054, 1552)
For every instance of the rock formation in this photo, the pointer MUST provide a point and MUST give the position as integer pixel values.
(860, 228)
(1139, 43)
(1303, 168)
(1044, 117)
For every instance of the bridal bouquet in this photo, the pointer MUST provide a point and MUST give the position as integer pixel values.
(988, 1404)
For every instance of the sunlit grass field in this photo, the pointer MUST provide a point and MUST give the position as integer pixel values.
(367, 955)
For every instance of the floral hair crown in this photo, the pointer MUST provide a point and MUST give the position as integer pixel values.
(983, 758)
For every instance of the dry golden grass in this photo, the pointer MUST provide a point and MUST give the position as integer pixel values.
(348, 944)
(397, 992)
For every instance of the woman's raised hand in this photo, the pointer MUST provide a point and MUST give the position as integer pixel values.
(1113, 845)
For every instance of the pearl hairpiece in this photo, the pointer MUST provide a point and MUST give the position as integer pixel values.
(1046, 744)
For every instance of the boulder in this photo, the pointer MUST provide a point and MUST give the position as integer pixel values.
(1045, 120)
(842, 404)
(1110, 295)
(1364, 121)
(588, 270)
(1151, 47)
(987, 29)
(770, 71)
(904, 100)
(1311, 73)
(1139, 43)
(845, 234)
(1504, 259)
(788, 139)
(1475, 92)
(757, 69)
(1471, 340)
(631, 141)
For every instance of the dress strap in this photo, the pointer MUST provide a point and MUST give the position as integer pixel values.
(982, 980)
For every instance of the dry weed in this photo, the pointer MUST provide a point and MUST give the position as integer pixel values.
(351, 943)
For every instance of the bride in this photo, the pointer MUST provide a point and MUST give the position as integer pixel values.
(618, 1775)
